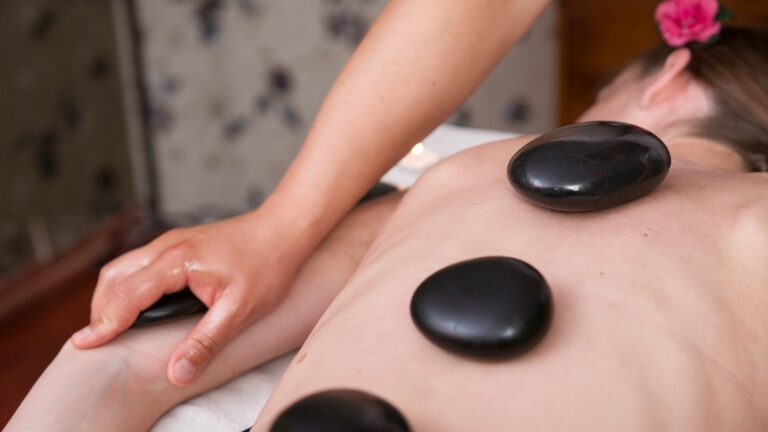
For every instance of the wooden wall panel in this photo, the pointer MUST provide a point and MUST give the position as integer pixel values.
(597, 37)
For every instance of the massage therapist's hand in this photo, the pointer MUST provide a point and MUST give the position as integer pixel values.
(234, 266)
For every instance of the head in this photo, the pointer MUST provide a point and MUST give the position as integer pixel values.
(716, 93)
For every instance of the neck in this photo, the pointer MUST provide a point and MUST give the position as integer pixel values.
(703, 153)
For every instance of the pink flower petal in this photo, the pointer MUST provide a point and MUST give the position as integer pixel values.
(709, 32)
(683, 21)
(710, 8)
(665, 10)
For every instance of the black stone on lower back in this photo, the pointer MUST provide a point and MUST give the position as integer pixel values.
(171, 307)
(589, 166)
(486, 308)
(340, 411)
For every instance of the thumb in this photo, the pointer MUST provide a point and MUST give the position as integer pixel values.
(217, 327)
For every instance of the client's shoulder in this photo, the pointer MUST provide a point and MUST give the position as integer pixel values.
(743, 189)
(489, 152)
(739, 201)
(734, 196)
(749, 223)
(485, 161)
(753, 190)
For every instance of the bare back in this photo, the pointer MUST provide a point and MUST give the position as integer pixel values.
(661, 307)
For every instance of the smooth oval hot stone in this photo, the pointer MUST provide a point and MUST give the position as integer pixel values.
(170, 307)
(589, 166)
(340, 411)
(487, 308)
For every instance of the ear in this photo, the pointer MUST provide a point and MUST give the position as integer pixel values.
(674, 66)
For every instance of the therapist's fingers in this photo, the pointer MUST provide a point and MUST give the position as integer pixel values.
(217, 327)
(124, 299)
(117, 270)
(127, 264)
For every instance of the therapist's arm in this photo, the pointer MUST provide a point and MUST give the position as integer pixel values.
(417, 64)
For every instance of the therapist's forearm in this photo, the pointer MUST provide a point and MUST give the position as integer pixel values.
(418, 63)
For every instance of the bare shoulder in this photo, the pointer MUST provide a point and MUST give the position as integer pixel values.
(482, 162)
(752, 196)
(487, 153)
(739, 204)
(725, 196)
(747, 191)
(750, 226)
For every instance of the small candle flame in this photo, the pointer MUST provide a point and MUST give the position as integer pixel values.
(418, 149)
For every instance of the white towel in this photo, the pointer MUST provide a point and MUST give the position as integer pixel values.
(230, 407)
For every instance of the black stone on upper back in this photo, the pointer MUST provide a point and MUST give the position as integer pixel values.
(589, 166)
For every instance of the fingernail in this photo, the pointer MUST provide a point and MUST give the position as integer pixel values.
(83, 334)
(184, 370)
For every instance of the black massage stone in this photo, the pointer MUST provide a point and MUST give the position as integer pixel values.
(589, 166)
(340, 411)
(378, 190)
(170, 307)
(486, 308)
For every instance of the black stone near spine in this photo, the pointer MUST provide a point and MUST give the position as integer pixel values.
(589, 166)
(170, 307)
(486, 308)
(340, 411)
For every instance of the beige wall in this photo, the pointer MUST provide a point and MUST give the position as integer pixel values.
(223, 134)
(63, 152)
(233, 86)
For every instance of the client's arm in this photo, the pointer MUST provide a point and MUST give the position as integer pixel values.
(123, 385)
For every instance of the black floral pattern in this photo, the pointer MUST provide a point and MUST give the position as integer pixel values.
(65, 166)
(239, 82)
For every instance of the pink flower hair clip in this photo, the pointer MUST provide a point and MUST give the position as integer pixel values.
(685, 21)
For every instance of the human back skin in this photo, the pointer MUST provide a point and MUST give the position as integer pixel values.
(660, 308)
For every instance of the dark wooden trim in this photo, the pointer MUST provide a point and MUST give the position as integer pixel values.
(563, 63)
(133, 18)
(36, 281)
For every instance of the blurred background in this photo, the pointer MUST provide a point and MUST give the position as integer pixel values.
(121, 118)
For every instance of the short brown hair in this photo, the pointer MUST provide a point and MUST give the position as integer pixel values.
(735, 70)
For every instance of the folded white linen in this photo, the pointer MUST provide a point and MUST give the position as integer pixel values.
(230, 407)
